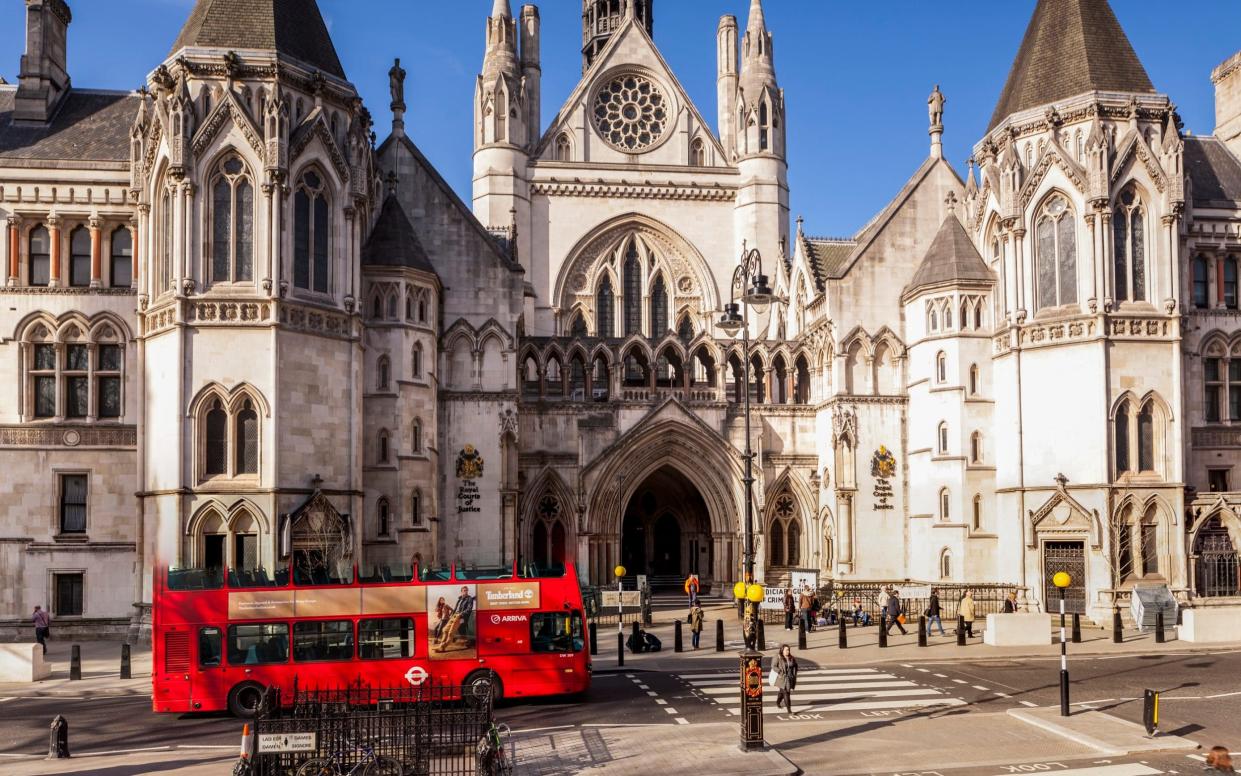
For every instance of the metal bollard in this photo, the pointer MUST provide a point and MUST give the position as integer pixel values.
(719, 635)
(620, 649)
(844, 635)
(58, 741)
(801, 633)
(1118, 629)
(126, 672)
(676, 637)
(594, 639)
(762, 635)
(638, 646)
(960, 631)
(75, 663)
(1077, 629)
(883, 630)
(922, 630)
(1159, 627)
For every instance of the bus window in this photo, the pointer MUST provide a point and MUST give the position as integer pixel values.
(384, 638)
(208, 647)
(331, 640)
(555, 632)
(258, 644)
(503, 572)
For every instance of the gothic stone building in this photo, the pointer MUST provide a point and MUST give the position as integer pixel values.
(238, 334)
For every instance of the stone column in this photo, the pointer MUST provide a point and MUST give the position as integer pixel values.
(844, 550)
(13, 223)
(96, 262)
(53, 228)
(133, 241)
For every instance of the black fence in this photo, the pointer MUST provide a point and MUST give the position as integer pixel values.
(431, 730)
(846, 597)
(596, 612)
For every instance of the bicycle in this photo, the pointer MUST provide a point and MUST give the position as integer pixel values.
(371, 764)
(493, 760)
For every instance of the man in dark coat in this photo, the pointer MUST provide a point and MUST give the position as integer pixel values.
(894, 610)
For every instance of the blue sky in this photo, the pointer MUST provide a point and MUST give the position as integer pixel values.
(856, 74)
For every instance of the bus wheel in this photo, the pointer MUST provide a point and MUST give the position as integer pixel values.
(481, 683)
(244, 700)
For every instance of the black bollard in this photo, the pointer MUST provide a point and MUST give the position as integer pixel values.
(960, 631)
(922, 631)
(75, 663)
(762, 636)
(638, 646)
(801, 633)
(883, 630)
(719, 635)
(126, 673)
(594, 639)
(58, 742)
(1077, 628)
(620, 649)
(1159, 627)
(676, 637)
(1118, 629)
(844, 635)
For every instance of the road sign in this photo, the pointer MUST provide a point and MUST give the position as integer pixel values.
(416, 675)
(273, 743)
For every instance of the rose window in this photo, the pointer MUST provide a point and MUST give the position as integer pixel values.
(631, 113)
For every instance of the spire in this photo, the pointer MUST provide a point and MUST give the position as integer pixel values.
(1071, 47)
(501, 57)
(756, 21)
(757, 58)
(501, 10)
(293, 29)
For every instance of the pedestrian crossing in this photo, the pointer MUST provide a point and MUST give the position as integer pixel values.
(827, 689)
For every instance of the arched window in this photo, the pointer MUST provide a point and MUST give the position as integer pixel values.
(383, 374)
(605, 310)
(564, 148)
(977, 513)
(247, 441)
(941, 367)
(377, 307)
(382, 517)
(943, 438)
(785, 532)
(1146, 438)
(854, 378)
(698, 153)
(758, 387)
(763, 133)
(801, 393)
(232, 224)
(383, 451)
(79, 257)
(1230, 282)
(415, 507)
(633, 291)
(735, 385)
(886, 379)
(40, 251)
(392, 306)
(409, 306)
(530, 388)
(978, 316)
(976, 447)
(416, 438)
(793, 556)
(945, 564)
(659, 308)
(216, 447)
(600, 379)
(1200, 283)
(1129, 242)
(577, 378)
(948, 316)
(1056, 254)
(501, 117)
(933, 324)
(416, 359)
(1122, 439)
(165, 276)
(310, 234)
(685, 329)
(577, 327)
(945, 505)
(121, 266)
(555, 378)
(422, 308)
(965, 314)
(1213, 387)
(779, 381)
(973, 379)
(776, 543)
(1123, 543)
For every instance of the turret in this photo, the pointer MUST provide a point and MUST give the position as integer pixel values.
(601, 18)
(531, 69)
(44, 76)
(726, 82)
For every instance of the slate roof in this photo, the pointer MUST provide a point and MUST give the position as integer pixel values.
(291, 27)
(393, 242)
(827, 258)
(1214, 172)
(952, 258)
(1071, 47)
(89, 126)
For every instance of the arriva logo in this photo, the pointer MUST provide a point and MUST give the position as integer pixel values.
(496, 619)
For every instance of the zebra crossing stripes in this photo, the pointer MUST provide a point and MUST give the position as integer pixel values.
(827, 689)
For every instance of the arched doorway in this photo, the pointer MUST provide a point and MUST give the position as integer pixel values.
(666, 532)
(1215, 561)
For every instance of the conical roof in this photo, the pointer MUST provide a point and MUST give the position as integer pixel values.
(1071, 47)
(393, 242)
(952, 258)
(294, 28)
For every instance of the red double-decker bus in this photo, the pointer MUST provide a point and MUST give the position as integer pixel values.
(220, 639)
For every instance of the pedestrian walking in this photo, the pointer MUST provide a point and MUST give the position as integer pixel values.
(815, 608)
(790, 608)
(42, 626)
(696, 617)
(803, 606)
(785, 667)
(884, 595)
(967, 613)
(691, 589)
(896, 613)
(1010, 603)
(1218, 759)
(933, 612)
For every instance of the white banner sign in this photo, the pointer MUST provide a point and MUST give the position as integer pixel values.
(773, 598)
(801, 578)
(272, 743)
(631, 599)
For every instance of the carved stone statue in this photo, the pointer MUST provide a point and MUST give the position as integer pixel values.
(935, 107)
(396, 84)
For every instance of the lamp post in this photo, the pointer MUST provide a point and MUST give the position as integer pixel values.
(619, 571)
(1062, 580)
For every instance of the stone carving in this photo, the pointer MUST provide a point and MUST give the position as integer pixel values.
(68, 436)
(396, 85)
(844, 424)
(935, 107)
(630, 113)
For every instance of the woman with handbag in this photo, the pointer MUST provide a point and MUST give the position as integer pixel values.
(784, 676)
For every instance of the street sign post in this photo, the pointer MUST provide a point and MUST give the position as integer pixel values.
(275, 743)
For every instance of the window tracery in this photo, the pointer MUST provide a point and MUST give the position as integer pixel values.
(1056, 254)
(310, 234)
(1129, 244)
(630, 113)
(232, 223)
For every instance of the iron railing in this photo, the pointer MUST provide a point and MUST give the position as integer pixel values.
(988, 599)
(1217, 573)
(431, 730)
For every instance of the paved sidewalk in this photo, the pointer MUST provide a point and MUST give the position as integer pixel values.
(101, 667)
(186, 761)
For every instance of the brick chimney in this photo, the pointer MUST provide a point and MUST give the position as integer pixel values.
(1227, 80)
(44, 78)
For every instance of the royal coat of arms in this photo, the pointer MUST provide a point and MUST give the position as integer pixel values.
(469, 464)
(883, 464)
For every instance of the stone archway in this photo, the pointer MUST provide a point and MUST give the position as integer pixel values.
(666, 531)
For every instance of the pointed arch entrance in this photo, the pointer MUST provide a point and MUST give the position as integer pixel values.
(666, 532)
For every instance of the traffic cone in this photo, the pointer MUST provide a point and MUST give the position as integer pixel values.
(246, 741)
